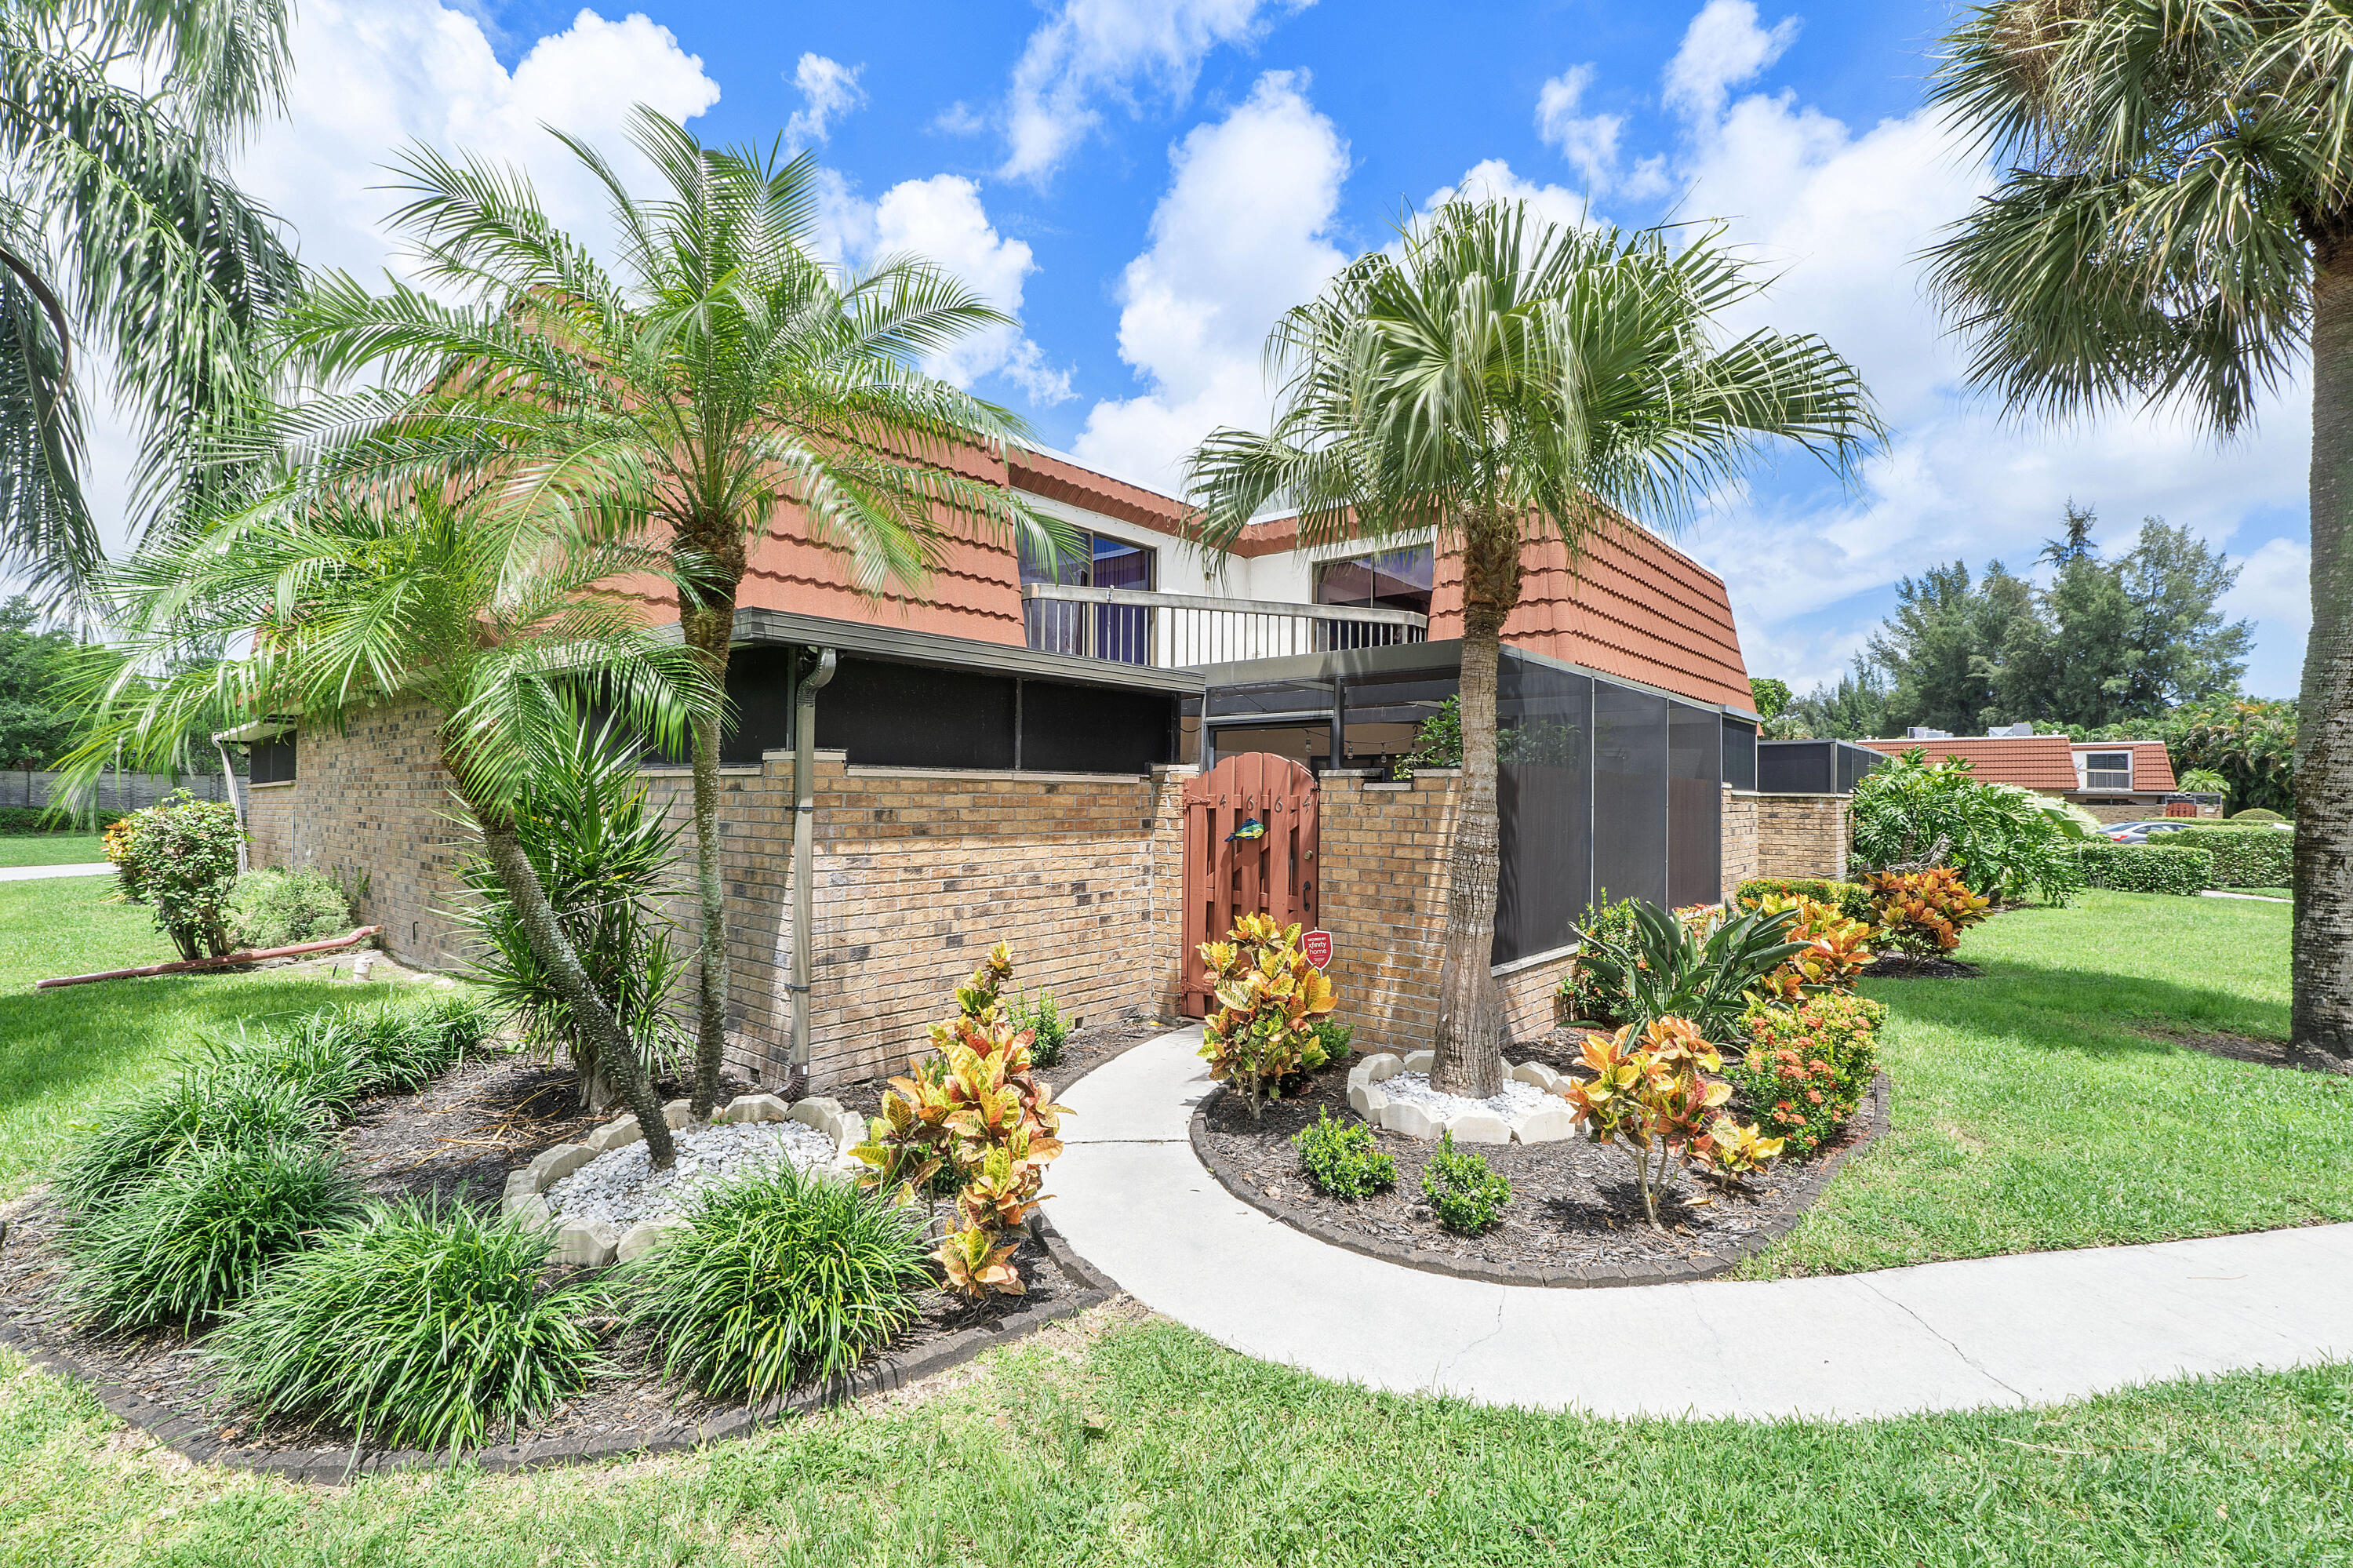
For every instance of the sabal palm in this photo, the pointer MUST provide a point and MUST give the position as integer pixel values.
(502, 628)
(2174, 229)
(165, 265)
(723, 374)
(1501, 380)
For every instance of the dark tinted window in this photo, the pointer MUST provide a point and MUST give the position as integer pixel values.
(1544, 806)
(1093, 729)
(1797, 767)
(1739, 753)
(1695, 805)
(1630, 793)
(1273, 698)
(760, 698)
(910, 716)
(271, 761)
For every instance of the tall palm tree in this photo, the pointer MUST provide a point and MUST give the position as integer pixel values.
(1501, 380)
(724, 374)
(121, 231)
(2174, 229)
(503, 628)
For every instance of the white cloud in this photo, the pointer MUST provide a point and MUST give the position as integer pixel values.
(828, 91)
(942, 219)
(1242, 234)
(1094, 49)
(1494, 180)
(1587, 141)
(1722, 48)
(2274, 591)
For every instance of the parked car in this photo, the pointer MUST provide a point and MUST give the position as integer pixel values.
(2140, 832)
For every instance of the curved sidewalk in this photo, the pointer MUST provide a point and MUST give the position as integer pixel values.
(2036, 1329)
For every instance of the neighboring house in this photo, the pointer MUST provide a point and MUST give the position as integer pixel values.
(1031, 750)
(2115, 780)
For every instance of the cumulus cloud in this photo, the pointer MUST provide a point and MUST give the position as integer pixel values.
(1493, 179)
(1244, 232)
(1722, 48)
(1587, 141)
(828, 91)
(1091, 51)
(2274, 591)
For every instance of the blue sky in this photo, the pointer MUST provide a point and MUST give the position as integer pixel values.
(1148, 184)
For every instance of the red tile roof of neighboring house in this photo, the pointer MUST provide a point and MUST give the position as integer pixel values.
(2031, 761)
(2041, 761)
(2152, 767)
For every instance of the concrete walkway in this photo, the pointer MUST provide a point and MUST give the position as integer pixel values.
(43, 873)
(2038, 1329)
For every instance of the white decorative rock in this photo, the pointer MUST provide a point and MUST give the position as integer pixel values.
(558, 1162)
(1369, 1102)
(676, 1114)
(591, 1243)
(530, 1208)
(1545, 1126)
(1419, 1060)
(640, 1237)
(753, 1107)
(613, 1135)
(1388, 1065)
(1477, 1127)
(1405, 1117)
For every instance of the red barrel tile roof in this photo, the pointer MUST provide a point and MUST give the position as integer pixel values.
(2038, 762)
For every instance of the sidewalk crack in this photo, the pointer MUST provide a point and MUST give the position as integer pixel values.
(1966, 1359)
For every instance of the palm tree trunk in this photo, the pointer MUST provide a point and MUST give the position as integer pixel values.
(1470, 1047)
(615, 1051)
(709, 629)
(2321, 1019)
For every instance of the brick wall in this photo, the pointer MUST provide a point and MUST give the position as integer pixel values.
(1801, 835)
(1740, 835)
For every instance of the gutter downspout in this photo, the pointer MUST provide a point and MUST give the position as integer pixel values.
(813, 675)
(236, 800)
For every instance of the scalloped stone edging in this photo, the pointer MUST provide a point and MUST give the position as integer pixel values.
(193, 1441)
(1545, 1124)
(1870, 1124)
(593, 1243)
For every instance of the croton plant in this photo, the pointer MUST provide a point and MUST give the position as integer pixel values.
(1925, 912)
(1647, 1090)
(974, 1102)
(1269, 998)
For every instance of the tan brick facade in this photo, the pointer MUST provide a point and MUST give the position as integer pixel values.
(1739, 832)
(1801, 835)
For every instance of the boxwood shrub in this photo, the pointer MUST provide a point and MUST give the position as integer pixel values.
(1854, 900)
(2243, 857)
(2147, 868)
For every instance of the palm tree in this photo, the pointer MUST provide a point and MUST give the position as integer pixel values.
(163, 263)
(503, 628)
(731, 374)
(1501, 380)
(2174, 229)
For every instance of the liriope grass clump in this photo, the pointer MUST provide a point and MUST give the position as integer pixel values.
(781, 1276)
(204, 1227)
(312, 1056)
(403, 1043)
(416, 1328)
(230, 1106)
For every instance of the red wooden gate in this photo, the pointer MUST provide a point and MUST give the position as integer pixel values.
(1227, 876)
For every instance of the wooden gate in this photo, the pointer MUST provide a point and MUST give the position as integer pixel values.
(1226, 876)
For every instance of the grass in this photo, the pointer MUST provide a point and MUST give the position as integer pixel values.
(2042, 1107)
(1146, 1444)
(50, 849)
(66, 1055)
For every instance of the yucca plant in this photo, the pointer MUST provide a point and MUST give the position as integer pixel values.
(784, 1276)
(415, 1327)
(232, 1106)
(607, 858)
(201, 1231)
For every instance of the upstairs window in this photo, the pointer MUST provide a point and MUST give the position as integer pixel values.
(1388, 579)
(1116, 632)
(1100, 561)
(2107, 771)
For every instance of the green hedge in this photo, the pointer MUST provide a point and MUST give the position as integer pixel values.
(14, 819)
(2147, 868)
(1853, 898)
(2243, 857)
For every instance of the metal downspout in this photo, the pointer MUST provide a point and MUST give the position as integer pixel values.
(813, 675)
(236, 800)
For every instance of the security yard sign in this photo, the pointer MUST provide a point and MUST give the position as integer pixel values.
(1318, 947)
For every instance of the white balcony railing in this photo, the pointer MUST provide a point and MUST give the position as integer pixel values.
(1170, 630)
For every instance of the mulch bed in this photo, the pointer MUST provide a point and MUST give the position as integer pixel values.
(1576, 1216)
(1904, 966)
(454, 1142)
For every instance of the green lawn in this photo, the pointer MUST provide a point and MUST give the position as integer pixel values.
(1151, 1445)
(66, 1054)
(2033, 1109)
(50, 849)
